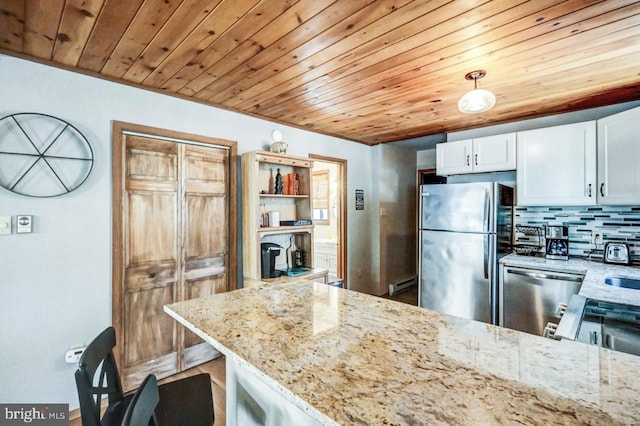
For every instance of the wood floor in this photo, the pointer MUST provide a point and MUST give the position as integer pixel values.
(217, 370)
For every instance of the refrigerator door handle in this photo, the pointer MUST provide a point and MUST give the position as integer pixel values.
(486, 256)
(486, 211)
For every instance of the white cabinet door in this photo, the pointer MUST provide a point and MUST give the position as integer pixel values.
(454, 157)
(557, 165)
(494, 153)
(619, 158)
(252, 400)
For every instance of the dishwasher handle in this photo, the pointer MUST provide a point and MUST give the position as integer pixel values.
(569, 325)
(544, 275)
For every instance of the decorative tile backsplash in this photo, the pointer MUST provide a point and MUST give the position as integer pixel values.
(619, 224)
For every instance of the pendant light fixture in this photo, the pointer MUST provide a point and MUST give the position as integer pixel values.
(477, 100)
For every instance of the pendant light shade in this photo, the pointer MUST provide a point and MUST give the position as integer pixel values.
(477, 100)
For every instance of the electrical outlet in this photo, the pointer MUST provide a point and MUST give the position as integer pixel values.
(73, 355)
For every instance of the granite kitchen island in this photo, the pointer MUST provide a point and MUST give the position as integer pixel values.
(343, 357)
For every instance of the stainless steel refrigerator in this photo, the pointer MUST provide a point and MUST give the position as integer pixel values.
(464, 229)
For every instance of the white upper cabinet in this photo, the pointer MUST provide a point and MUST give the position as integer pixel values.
(454, 157)
(494, 153)
(488, 154)
(619, 158)
(557, 165)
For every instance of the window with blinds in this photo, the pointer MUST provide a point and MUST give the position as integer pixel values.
(321, 197)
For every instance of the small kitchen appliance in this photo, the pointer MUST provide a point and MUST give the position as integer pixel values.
(269, 253)
(557, 246)
(616, 253)
(300, 258)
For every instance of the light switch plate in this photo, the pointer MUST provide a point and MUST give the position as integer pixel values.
(24, 224)
(5, 225)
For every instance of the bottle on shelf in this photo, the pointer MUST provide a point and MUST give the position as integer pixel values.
(300, 258)
(278, 182)
(293, 183)
(264, 216)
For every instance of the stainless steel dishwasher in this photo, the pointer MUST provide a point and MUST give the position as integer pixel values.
(533, 300)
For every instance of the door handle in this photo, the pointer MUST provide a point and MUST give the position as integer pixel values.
(487, 213)
(486, 256)
(468, 158)
(545, 276)
(589, 191)
(476, 159)
(602, 189)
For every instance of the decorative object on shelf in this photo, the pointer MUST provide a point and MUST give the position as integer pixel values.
(274, 219)
(42, 156)
(477, 100)
(359, 199)
(279, 147)
(297, 222)
(293, 184)
(278, 186)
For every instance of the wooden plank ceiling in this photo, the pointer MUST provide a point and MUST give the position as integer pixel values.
(368, 71)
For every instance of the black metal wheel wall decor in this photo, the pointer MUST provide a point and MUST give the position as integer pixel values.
(42, 156)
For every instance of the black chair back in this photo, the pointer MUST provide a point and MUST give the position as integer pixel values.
(97, 376)
(184, 402)
(141, 409)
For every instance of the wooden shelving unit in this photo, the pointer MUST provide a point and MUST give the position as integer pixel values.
(259, 170)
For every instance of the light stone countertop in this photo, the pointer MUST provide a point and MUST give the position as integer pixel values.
(354, 359)
(593, 286)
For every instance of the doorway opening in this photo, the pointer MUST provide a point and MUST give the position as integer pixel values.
(329, 183)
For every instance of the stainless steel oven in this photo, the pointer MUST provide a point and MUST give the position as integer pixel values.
(609, 325)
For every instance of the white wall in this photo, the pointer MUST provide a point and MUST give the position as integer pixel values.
(56, 282)
(426, 159)
(396, 219)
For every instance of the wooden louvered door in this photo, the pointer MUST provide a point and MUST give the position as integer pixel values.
(174, 239)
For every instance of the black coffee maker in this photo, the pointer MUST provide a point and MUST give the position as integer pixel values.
(557, 242)
(269, 253)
